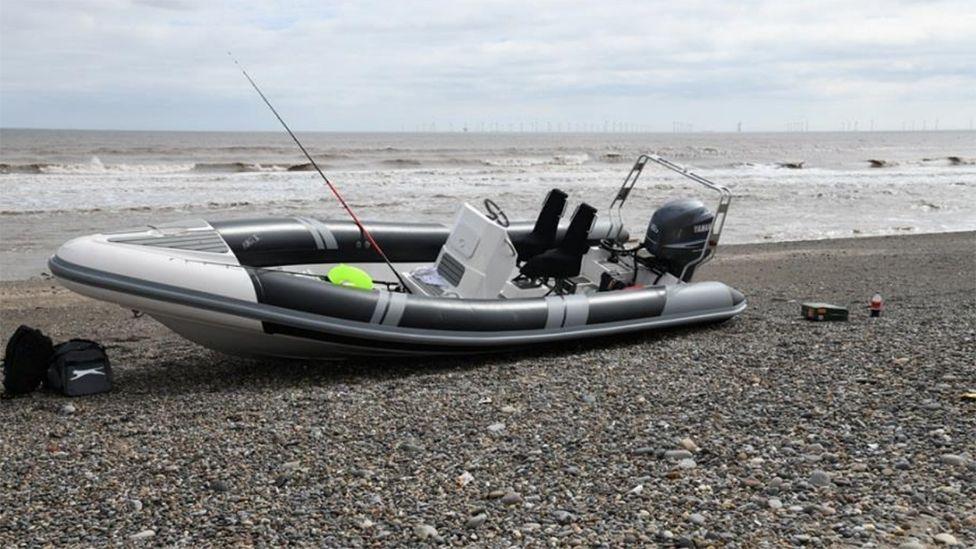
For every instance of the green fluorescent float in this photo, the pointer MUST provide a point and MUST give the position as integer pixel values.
(347, 275)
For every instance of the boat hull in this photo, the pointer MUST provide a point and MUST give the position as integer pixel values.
(196, 284)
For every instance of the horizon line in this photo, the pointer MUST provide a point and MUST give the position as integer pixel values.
(491, 132)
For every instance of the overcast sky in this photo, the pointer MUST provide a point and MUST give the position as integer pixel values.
(392, 65)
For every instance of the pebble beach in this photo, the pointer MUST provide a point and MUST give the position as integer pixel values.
(764, 431)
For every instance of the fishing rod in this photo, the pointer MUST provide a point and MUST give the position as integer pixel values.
(335, 191)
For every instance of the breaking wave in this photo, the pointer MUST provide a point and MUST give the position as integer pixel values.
(523, 161)
(515, 161)
(239, 167)
(210, 205)
(95, 166)
(953, 160)
(401, 162)
(879, 163)
(939, 160)
(615, 157)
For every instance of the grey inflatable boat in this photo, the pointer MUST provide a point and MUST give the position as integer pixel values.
(304, 288)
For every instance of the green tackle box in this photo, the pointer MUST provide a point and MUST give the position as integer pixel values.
(823, 311)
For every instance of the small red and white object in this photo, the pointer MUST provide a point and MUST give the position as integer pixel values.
(876, 305)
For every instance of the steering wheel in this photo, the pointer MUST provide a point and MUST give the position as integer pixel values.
(495, 213)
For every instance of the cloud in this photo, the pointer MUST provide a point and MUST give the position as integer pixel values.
(387, 65)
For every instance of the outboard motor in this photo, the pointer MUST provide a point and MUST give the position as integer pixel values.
(677, 234)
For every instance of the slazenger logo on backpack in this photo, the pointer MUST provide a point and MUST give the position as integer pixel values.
(78, 374)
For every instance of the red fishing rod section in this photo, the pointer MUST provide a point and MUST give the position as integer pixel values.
(335, 191)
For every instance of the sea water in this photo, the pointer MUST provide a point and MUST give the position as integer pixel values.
(57, 184)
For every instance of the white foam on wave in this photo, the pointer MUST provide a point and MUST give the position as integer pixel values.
(762, 192)
(570, 159)
(95, 166)
(577, 159)
(77, 184)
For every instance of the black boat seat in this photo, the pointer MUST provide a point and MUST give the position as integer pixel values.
(565, 260)
(543, 235)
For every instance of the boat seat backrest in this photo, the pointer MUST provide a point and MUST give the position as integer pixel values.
(543, 235)
(552, 209)
(565, 260)
(478, 257)
(576, 240)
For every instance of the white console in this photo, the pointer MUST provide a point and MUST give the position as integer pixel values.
(478, 257)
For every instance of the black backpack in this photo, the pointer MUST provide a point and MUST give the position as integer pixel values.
(26, 360)
(79, 367)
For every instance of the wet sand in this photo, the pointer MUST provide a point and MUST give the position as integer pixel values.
(800, 432)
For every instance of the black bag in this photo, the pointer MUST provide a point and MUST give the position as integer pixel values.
(80, 367)
(26, 359)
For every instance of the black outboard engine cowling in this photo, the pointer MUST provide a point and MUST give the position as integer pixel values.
(677, 234)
